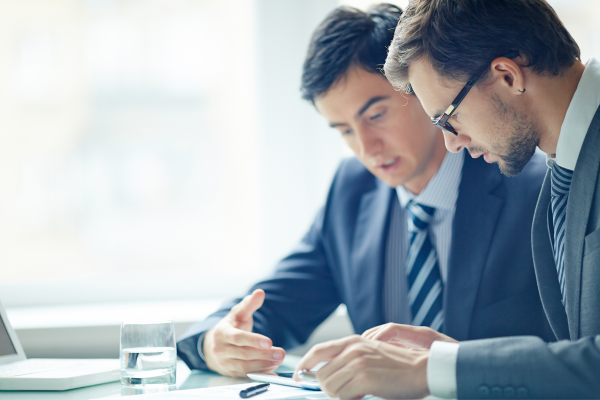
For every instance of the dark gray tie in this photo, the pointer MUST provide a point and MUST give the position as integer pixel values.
(425, 287)
(560, 185)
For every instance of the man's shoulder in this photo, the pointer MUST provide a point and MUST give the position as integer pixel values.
(351, 183)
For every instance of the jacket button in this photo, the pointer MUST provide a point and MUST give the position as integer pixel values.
(483, 392)
(509, 392)
(522, 393)
(496, 392)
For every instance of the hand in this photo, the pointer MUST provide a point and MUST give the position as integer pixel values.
(411, 337)
(360, 366)
(230, 348)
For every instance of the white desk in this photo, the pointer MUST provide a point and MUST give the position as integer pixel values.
(185, 380)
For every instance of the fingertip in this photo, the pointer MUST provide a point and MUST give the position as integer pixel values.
(265, 344)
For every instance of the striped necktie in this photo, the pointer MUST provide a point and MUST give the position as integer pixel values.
(425, 288)
(560, 185)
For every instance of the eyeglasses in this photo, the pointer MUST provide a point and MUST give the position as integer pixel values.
(442, 120)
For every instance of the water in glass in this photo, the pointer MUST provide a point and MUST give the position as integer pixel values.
(148, 354)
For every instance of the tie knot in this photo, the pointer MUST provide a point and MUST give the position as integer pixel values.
(419, 216)
(561, 180)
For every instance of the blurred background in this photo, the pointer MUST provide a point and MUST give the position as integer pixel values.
(157, 154)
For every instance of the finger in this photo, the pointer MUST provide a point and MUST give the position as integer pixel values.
(244, 309)
(347, 376)
(238, 337)
(342, 376)
(324, 352)
(380, 333)
(368, 334)
(407, 335)
(348, 358)
(338, 379)
(251, 353)
(354, 388)
(396, 332)
(411, 336)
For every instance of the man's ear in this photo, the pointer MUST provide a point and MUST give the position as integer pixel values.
(508, 73)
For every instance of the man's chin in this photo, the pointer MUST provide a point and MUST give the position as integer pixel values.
(391, 181)
(509, 170)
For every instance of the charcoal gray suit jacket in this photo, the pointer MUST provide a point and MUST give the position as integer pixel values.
(526, 366)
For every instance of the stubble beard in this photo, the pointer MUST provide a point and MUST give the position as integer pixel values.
(519, 144)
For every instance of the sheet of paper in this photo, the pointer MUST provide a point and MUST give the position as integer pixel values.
(233, 392)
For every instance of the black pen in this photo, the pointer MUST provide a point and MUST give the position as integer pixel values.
(254, 390)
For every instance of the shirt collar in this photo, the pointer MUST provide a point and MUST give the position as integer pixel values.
(442, 189)
(580, 113)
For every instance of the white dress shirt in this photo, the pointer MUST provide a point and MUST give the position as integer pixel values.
(440, 193)
(441, 367)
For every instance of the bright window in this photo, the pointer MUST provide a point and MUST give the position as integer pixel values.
(136, 159)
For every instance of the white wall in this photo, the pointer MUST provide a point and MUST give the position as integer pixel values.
(298, 151)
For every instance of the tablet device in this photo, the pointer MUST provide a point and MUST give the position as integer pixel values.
(284, 378)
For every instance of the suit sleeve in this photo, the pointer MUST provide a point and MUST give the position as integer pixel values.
(527, 367)
(300, 294)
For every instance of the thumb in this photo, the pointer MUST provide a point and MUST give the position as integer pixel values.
(244, 310)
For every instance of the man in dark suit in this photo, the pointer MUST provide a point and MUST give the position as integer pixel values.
(518, 83)
(410, 233)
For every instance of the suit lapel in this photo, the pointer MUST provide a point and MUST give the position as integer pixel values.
(578, 211)
(368, 254)
(479, 203)
(545, 267)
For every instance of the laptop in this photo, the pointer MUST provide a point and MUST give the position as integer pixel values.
(19, 373)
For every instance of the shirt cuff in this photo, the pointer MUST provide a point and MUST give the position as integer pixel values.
(201, 346)
(441, 369)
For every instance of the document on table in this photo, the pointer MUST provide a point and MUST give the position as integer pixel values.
(233, 392)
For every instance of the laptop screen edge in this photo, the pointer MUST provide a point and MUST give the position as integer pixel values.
(10, 358)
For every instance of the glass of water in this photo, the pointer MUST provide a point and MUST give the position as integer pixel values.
(148, 353)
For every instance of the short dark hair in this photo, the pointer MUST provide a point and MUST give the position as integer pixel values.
(347, 37)
(462, 37)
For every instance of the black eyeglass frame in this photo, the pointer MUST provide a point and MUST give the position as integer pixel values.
(442, 120)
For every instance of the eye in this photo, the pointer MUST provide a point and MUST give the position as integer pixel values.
(376, 116)
(347, 131)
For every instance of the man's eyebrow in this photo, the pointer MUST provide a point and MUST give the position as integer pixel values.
(335, 125)
(369, 104)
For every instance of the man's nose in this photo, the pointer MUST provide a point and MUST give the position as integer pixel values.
(455, 143)
(370, 142)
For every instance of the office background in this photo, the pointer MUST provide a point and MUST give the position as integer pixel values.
(155, 157)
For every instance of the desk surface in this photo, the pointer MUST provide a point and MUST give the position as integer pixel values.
(186, 379)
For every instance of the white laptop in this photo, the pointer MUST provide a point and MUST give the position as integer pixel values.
(19, 373)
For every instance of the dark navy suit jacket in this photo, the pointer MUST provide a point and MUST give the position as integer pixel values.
(490, 291)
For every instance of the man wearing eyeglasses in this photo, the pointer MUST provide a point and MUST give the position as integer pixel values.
(410, 233)
(500, 78)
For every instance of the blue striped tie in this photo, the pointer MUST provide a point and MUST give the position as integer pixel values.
(561, 183)
(425, 288)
